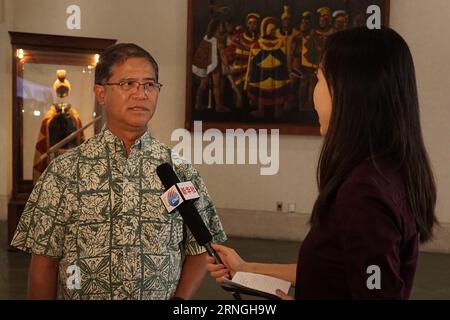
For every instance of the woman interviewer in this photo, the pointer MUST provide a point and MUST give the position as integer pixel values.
(376, 189)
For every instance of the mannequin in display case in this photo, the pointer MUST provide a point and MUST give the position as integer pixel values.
(60, 121)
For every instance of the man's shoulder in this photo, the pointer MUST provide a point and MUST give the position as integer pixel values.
(178, 160)
(156, 150)
(64, 164)
(181, 165)
(92, 147)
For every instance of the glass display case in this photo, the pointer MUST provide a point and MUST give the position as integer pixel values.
(53, 77)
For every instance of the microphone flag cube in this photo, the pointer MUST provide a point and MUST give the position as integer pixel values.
(188, 190)
(179, 193)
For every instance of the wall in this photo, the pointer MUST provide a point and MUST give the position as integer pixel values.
(160, 27)
(5, 107)
(424, 27)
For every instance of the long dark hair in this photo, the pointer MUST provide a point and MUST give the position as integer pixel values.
(375, 114)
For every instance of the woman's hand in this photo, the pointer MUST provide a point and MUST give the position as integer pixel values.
(283, 295)
(232, 263)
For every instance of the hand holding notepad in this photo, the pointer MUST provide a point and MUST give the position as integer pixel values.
(256, 284)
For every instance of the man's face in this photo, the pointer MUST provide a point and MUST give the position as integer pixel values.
(129, 110)
(340, 23)
(324, 21)
(272, 31)
(252, 25)
(286, 23)
(305, 26)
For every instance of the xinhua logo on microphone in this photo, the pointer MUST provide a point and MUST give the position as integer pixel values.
(173, 198)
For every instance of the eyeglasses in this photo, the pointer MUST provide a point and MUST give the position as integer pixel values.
(133, 86)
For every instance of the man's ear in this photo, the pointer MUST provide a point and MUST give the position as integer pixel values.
(100, 94)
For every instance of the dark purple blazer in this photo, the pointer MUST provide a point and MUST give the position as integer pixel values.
(370, 223)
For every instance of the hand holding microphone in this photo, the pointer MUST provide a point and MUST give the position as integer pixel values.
(232, 263)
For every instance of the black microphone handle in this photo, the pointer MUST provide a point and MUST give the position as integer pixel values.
(213, 253)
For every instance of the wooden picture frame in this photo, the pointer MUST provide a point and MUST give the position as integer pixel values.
(212, 95)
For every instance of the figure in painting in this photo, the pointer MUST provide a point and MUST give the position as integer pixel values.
(208, 64)
(340, 20)
(305, 60)
(243, 44)
(268, 77)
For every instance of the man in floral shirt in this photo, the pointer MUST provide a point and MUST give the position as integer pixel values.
(94, 223)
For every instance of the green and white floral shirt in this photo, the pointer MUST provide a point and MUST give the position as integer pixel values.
(98, 210)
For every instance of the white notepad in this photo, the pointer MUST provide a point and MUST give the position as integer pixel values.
(261, 282)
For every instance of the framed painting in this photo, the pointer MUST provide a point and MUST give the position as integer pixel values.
(253, 63)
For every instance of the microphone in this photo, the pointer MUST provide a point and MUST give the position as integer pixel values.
(188, 212)
(190, 216)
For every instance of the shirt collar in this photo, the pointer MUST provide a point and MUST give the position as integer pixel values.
(115, 144)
